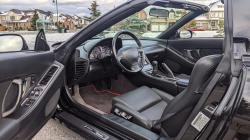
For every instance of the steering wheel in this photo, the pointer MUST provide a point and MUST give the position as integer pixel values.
(132, 58)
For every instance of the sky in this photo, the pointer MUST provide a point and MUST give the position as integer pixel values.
(78, 7)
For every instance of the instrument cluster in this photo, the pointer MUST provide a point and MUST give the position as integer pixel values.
(100, 52)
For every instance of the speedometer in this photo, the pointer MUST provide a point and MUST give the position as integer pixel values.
(94, 53)
(106, 50)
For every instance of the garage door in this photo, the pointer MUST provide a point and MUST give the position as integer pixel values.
(205, 26)
(163, 27)
(155, 27)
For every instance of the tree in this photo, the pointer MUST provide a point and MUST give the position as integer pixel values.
(33, 20)
(221, 31)
(134, 24)
(95, 13)
(191, 23)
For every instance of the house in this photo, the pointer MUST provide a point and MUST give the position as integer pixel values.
(84, 22)
(12, 18)
(18, 19)
(159, 24)
(77, 21)
(210, 20)
(68, 22)
(3, 18)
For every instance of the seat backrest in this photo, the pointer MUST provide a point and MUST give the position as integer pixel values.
(182, 105)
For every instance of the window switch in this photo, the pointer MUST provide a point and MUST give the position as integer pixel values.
(28, 102)
(32, 93)
(37, 93)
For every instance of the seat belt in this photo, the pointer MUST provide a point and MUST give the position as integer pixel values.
(197, 108)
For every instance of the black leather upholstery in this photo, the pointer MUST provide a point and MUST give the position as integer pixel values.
(146, 105)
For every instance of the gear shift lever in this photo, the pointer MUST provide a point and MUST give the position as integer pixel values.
(166, 68)
(155, 68)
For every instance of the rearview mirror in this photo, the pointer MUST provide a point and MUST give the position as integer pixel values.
(184, 34)
(158, 12)
(11, 42)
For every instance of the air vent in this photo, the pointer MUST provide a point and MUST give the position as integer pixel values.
(48, 75)
(81, 69)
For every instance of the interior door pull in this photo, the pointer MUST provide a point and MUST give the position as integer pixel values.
(189, 55)
(5, 112)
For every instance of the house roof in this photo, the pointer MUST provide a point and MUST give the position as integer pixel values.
(16, 11)
(171, 11)
(24, 17)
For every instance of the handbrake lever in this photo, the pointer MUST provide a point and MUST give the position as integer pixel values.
(169, 72)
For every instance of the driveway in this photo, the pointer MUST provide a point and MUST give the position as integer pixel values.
(56, 131)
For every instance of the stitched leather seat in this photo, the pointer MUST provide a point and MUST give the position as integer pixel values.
(144, 104)
(147, 105)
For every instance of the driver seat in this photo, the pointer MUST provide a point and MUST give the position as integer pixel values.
(145, 106)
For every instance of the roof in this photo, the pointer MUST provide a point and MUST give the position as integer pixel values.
(16, 11)
(43, 20)
(24, 17)
(171, 11)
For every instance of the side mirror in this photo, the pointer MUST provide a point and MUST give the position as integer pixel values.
(11, 43)
(184, 34)
(158, 12)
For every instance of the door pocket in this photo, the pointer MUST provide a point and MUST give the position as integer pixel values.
(12, 97)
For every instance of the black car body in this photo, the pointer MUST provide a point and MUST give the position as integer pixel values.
(38, 84)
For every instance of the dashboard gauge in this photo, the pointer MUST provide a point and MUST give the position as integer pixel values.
(94, 53)
(106, 50)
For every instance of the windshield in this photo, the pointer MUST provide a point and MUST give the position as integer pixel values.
(143, 24)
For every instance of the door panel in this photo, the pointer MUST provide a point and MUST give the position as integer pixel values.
(30, 83)
(182, 54)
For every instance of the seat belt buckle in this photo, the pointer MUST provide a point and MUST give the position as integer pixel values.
(210, 109)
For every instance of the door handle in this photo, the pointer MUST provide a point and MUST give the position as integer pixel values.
(5, 112)
(188, 55)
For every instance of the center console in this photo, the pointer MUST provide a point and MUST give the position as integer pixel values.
(170, 83)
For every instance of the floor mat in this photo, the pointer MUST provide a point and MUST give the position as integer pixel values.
(99, 100)
(102, 100)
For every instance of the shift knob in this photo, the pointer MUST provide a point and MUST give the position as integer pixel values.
(155, 68)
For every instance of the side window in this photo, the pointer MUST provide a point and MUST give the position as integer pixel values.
(210, 24)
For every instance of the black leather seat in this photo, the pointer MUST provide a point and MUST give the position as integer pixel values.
(147, 105)
(144, 104)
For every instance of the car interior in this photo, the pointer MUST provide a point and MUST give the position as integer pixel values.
(146, 84)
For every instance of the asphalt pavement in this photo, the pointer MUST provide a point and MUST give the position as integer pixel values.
(56, 131)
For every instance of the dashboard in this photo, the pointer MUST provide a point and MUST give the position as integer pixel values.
(94, 59)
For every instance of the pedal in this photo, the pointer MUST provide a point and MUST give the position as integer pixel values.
(108, 83)
(98, 85)
(115, 77)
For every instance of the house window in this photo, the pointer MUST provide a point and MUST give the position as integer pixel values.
(143, 16)
(12, 17)
(3, 17)
(23, 24)
(220, 6)
(213, 23)
(212, 14)
(216, 14)
(220, 15)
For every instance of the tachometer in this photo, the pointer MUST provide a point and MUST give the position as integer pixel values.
(106, 50)
(94, 53)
